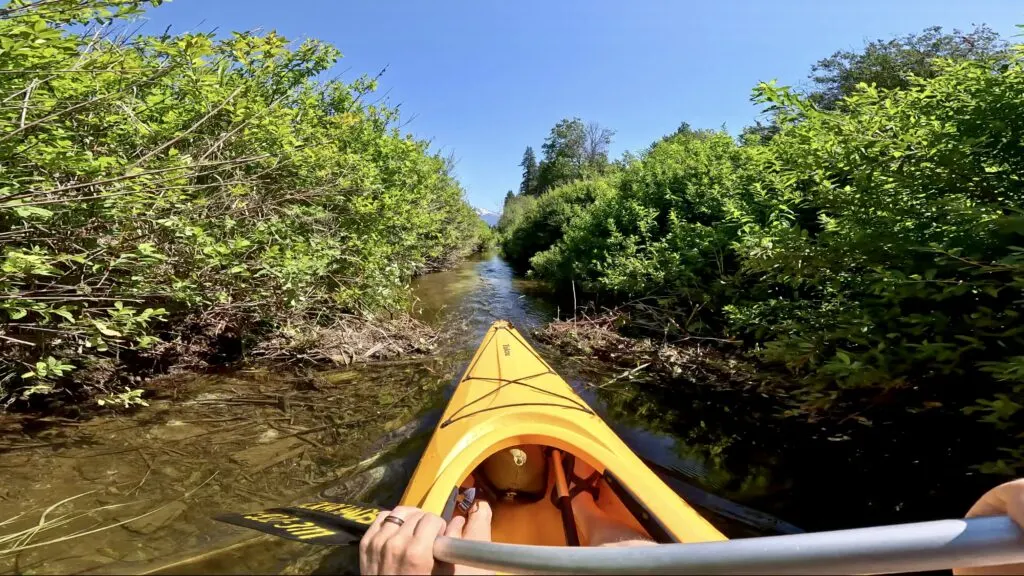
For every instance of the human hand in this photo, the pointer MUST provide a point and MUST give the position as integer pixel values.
(388, 548)
(405, 546)
(1006, 499)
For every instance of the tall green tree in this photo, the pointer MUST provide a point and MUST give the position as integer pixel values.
(528, 187)
(509, 196)
(571, 150)
(890, 64)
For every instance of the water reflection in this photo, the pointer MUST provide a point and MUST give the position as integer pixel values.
(818, 476)
(477, 293)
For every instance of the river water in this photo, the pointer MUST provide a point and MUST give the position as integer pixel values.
(729, 455)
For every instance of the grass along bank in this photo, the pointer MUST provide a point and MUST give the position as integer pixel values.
(172, 200)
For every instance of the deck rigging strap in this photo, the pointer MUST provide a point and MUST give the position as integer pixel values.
(502, 382)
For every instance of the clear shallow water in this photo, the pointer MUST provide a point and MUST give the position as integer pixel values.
(728, 455)
(478, 292)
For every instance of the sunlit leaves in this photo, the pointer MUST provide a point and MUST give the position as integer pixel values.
(149, 181)
(870, 245)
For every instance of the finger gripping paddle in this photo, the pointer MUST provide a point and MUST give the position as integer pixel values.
(936, 545)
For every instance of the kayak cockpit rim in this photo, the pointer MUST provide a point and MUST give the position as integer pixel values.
(508, 396)
(448, 483)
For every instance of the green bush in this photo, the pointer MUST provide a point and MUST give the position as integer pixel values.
(663, 228)
(483, 236)
(530, 225)
(515, 209)
(152, 183)
(894, 253)
(873, 247)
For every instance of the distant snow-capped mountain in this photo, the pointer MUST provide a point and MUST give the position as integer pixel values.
(487, 216)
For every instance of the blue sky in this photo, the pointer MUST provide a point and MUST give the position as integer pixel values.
(486, 78)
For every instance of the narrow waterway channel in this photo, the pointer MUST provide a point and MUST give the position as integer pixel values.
(747, 472)
(485, 289)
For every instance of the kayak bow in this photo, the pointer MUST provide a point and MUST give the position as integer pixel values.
(502, 435)
(508, 397)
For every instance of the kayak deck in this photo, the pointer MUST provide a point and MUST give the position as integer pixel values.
(510, 397)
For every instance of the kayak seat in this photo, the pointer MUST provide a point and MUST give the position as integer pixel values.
(515, 482)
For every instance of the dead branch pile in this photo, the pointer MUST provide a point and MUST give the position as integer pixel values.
(349, 340)
(690, 360)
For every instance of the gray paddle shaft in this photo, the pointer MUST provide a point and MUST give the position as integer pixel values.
(937, 545)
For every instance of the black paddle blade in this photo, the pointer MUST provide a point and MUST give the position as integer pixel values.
(325, 523)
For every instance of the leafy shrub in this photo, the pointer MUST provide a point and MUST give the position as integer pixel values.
(152, 185)
(663, 229)
(872, 247)
(529, 225)
(895, 254)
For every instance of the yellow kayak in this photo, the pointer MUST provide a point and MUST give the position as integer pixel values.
(513, 430)
(516, 435)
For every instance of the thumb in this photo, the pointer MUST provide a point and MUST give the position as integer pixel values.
(478, 523)
(455, 527)
(1014, 498)
(1007, 498)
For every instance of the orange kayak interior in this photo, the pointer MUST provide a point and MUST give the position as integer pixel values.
(510, 399)
(539, 522)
